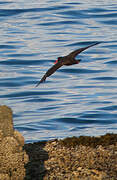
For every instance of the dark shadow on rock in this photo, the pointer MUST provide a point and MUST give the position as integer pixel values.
(37, 155)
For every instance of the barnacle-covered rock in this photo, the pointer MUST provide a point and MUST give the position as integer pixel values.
(12, 156)
(6, 122)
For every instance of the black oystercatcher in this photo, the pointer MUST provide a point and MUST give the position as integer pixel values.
(66, 60)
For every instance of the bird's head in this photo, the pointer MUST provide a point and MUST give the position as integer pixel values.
(59, 58)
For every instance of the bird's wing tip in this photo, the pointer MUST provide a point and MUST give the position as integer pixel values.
(37, 85)
(98, 42)
(42, 80)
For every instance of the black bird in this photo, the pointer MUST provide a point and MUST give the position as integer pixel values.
(66, 60)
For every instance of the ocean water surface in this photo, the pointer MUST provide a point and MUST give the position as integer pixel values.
(76, 100)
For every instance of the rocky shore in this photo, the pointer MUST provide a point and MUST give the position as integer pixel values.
(76, 158)
(12, 154)
(82, 158)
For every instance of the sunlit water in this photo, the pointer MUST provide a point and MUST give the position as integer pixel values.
(76, 100)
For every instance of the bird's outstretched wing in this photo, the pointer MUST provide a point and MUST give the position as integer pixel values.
(78, 51)
(50, 72)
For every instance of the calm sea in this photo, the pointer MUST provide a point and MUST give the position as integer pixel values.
(76, 100)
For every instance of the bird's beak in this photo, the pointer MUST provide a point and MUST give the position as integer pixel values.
(55, 61)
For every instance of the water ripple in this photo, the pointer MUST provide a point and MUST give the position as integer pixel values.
(76, 100)
(21, 62)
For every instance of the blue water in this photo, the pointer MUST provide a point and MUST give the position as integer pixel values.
(76, 100)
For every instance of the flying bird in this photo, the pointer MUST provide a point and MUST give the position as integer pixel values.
(65, 60)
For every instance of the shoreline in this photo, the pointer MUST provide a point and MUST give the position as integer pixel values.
(74, 158)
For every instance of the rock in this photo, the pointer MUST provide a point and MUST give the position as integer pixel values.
(4, 177)
(6, 122)
(1, 135)
(19, 138)
(12, 156)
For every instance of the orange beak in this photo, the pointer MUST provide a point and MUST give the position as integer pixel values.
(55, 61)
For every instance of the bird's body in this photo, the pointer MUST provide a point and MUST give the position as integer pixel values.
(66, 60)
